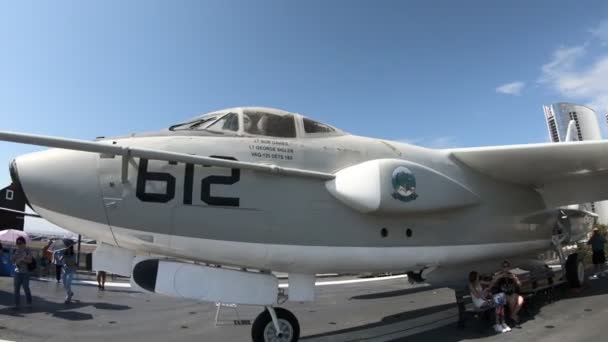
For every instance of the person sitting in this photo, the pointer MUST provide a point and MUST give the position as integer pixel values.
(508, 283)
(482, 298)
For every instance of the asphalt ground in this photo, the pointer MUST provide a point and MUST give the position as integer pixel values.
(387, 310)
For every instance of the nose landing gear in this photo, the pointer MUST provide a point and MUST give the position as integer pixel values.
(275, 325)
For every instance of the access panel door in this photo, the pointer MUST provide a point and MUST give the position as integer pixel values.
(140, 207)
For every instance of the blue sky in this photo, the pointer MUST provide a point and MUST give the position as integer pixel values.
(436, 73)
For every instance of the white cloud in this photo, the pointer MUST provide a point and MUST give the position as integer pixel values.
(601, 32)
(563, 60)
(577, 78)
(513, 88)
(583, 82)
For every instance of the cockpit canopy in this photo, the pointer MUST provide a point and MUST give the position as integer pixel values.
(258, 121)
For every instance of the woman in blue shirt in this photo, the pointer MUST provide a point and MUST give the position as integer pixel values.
(69, 269)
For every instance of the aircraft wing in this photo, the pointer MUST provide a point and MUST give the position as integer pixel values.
(564, 173)
(127, 152)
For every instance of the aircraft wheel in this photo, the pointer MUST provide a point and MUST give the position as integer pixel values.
(263, 329)
(575, 271)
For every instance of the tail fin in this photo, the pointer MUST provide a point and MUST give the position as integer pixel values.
(10, 198)
(13, 200)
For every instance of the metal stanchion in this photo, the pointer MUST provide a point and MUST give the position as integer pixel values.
(78, 255)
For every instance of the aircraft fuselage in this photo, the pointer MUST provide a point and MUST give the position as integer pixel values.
(265, 221)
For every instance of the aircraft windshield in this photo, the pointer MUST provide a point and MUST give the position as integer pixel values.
(271, 125)
(258, 122)
(228, 123)
(199, 122)
(311, 126)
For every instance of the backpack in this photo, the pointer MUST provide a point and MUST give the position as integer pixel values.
(32, 265)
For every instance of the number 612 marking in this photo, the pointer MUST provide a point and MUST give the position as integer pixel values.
(143, 175)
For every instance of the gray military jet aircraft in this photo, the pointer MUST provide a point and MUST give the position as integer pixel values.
(268, 190)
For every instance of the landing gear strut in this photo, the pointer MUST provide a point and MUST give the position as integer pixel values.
(572, 266)
(275, 325)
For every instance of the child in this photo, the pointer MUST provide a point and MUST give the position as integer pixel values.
(481, 298)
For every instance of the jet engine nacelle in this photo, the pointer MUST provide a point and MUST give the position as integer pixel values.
(397, 186)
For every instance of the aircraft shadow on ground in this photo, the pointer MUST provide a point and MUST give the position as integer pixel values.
(391, 319)
(395, 293)
(450, 332)
(56, 309)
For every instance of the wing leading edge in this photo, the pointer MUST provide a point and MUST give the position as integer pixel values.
(127, 152)
(564, 173)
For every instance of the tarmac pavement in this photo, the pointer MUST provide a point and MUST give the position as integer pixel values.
(386, 310)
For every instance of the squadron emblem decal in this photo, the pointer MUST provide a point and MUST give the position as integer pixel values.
(404, 184)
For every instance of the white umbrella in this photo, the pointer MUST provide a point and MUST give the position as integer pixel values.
(11, 235)
(60, 244)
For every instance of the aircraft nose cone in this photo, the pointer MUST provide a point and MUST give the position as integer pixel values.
(62, 186)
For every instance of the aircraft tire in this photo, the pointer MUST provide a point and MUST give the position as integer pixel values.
(575, 271)
(263, 329)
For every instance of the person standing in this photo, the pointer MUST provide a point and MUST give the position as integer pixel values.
(69, 269)
(597, 242)
(58, 262)
(101, 280)
(21, 258)
(46, 259)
